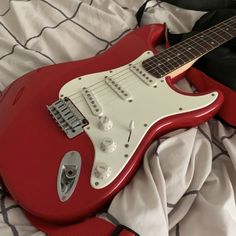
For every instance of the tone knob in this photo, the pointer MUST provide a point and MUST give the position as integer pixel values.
(105, 123)
(102, 171)
(108, 145)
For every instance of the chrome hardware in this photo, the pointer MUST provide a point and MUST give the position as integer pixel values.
(68, 175)
(68, 117)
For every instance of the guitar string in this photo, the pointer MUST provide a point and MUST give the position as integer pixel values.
(135, 64)
(102, 83)
(196, 37)
(189, 45)
(102, 95)
(207, 40)
(126, 78)
(106, 87)
(110, 96)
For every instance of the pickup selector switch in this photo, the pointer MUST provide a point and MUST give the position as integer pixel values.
(102, 171)
(108, 145)
(105, 123)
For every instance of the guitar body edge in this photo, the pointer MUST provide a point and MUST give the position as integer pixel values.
(25, 164)
(33, 146)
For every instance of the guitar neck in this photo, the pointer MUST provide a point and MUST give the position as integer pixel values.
(190, 49)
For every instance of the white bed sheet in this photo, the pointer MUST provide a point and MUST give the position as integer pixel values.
(186, 184)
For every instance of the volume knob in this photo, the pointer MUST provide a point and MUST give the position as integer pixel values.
(105, 123)
(102, 171)
(108, 145)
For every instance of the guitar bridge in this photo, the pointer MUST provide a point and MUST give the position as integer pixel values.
(68, 117)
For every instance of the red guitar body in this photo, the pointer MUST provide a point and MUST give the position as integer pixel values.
(32, 145)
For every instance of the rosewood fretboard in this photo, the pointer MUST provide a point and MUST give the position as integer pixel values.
(190, 49)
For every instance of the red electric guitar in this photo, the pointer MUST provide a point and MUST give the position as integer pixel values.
(73, 134)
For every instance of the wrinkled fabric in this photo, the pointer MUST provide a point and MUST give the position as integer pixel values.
(186, 183)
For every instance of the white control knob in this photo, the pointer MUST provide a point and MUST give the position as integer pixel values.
(105, 123)
(108, 145)
(102, 171)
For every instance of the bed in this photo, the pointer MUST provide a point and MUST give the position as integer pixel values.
(187, 181)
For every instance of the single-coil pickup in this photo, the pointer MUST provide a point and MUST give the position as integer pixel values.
(92, 102)
(143, 75)
(121, 91)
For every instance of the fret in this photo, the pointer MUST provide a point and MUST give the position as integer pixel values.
(230, 28)
(157, 72)
(208, 38)
(192, 48)
(185, 54)
(163, 63)
(154, 71)
(153, 68)
(200, 47)
(175, 63)
(153, 63)
(160, 68)
(222, 32)
(175, 54)
(219, 36)
(168, 61)
(204, 44)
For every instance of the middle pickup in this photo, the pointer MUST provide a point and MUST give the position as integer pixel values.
(118, 88)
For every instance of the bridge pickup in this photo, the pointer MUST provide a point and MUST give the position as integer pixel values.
(68, 117)
(92, 102)
(143, 75)
(121, 91)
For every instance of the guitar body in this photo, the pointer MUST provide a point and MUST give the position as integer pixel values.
(33, 147)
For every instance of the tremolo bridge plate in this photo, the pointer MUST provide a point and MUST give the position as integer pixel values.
(68, 117)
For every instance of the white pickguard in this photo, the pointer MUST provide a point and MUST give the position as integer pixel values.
(149, 105)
